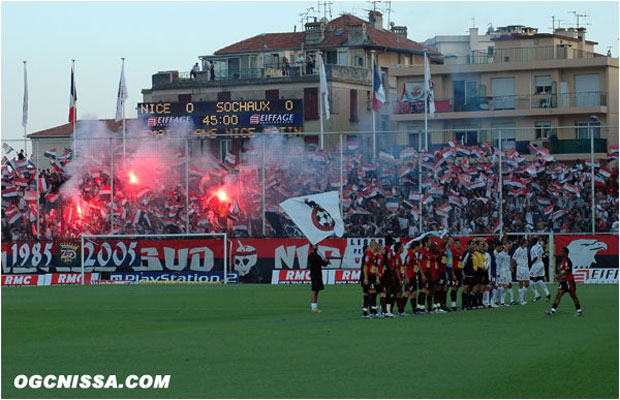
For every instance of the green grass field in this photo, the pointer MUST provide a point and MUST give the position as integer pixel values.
(263, 341)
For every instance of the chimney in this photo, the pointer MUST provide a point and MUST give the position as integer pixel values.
(375, 19)
(315, 32)
(581, 35)
(356, 33)
(399, 30)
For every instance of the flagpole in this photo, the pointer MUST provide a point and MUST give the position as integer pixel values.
(320, 99)
(74, 122)
(25, 117)
(341, 180)
(263, 180)
(425, 108)
(38, 189)
(123, 108)
(592, 176)
(374, 117)
(420, 181)
(501, 190)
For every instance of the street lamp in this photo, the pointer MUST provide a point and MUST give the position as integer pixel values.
(593, 120)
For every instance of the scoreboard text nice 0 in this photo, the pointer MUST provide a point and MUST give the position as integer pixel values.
(234, 117)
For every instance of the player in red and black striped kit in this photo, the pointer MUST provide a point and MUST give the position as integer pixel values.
(410, 280)
(385, 281)
(425, 277)
(397, 271)
(368, 278)
(567, 284)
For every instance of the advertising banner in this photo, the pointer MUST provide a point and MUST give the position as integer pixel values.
(594, 257)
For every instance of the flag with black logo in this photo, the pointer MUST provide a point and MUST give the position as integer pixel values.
(317, 215)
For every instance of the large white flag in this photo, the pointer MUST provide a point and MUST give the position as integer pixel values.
(428, 87)
(122, 95)
(316, 215)
(25, 106)
(324, 91)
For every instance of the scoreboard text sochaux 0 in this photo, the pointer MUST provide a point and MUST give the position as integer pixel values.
(234, 117)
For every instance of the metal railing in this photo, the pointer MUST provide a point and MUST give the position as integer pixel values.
(175, 185)
(516, 102)
(522, 54)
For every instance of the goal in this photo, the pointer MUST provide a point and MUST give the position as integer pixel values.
(165, 258)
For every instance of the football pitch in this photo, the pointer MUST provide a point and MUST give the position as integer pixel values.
(245, 341)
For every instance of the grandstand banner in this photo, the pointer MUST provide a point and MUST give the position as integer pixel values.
(233, 117)
(183, 260)
(594, 257)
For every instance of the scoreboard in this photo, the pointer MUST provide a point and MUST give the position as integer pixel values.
(233, 117)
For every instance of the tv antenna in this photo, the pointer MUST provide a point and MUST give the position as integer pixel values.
(553, 19)
(389, 13)
(305, 17)
(327, 9)
(577, 15)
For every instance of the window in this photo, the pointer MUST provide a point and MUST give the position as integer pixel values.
(584, 127)
(465, 96)
(331, 57)
(414, 140)
(507, 132)
(311, 103)
(543, 129)
(273, 94)
(543, 84)
(271, 60)
(360, 61)
(353, 106)
(223, 96)
(343, 57)
(503, 90)
(466, 137)
(587, 90)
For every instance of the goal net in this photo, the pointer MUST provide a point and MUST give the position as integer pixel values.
(167, 258)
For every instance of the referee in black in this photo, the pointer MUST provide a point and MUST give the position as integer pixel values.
(316, 263)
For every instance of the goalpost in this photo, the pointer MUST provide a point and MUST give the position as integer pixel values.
(121, 255)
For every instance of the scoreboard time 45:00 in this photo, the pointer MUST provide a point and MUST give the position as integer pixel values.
(224, 117)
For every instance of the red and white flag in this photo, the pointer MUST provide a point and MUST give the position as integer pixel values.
(73, 99)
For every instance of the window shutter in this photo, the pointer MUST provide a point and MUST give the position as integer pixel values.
(311, 103)
(353, 105)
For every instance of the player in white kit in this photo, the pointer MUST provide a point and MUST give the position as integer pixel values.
(523, 272)
(537, 272)
(504, 274)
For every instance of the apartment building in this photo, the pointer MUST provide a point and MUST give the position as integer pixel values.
(543, 88)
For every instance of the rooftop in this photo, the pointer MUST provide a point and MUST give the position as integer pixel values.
(336, 35)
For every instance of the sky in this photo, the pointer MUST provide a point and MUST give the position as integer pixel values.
(158, 36)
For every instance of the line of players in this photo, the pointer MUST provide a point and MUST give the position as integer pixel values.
(428, 270)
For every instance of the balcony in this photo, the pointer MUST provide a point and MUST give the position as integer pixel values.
(517, 102)
(522, 54)
(578, 146)
(271, 73)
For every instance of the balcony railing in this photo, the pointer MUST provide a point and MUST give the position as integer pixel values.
(578, 146)
(522, 54)
(517, 102)
(277, 70)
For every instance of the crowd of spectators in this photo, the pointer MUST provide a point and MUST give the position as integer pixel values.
(455, 187)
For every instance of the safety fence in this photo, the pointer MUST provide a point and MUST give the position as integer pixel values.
(101, 184)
